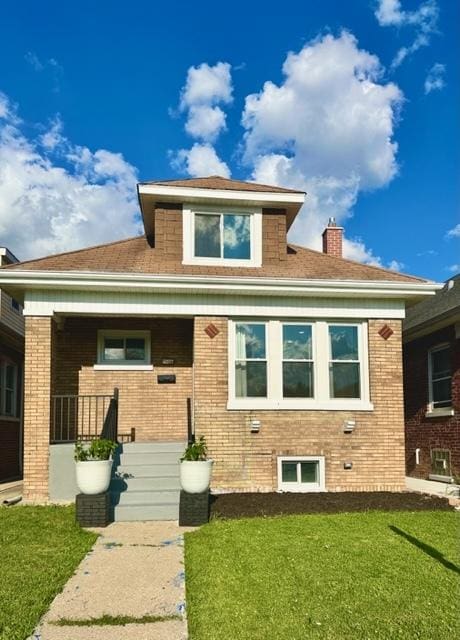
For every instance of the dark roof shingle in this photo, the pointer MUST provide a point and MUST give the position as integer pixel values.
(135, 255)
(217, 182)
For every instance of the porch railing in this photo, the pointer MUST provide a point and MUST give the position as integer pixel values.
(86, 417)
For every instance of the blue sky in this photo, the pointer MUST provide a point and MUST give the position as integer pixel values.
(94, 96)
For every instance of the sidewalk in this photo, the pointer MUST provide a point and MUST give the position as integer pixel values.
(135, 570)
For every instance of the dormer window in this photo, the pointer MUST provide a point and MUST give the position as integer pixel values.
(222, 237)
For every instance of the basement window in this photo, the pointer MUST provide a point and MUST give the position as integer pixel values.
(301, 474)
(123, 349)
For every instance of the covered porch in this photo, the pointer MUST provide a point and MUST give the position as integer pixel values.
(89, 376)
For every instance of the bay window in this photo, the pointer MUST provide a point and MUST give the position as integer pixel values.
(276, 364)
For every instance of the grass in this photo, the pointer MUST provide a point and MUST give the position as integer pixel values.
(107, 620)
(40, 548)
(372, 575)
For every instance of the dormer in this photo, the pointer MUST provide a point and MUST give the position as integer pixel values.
(215, 221)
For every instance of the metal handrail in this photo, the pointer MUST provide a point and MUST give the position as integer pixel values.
(84, 417)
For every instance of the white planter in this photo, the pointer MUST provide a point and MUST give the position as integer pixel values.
(195, 477)
(93, 476)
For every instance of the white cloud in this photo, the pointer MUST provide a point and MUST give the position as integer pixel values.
(207, 85)
(424, 20)
(454, 268)
(57, 196)
(328, 129)
(454, 232)
(200, 160)
(205, 122)
(53, 137)
(50, 65)
(435, 80)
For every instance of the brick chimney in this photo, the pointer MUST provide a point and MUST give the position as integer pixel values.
(332, 239)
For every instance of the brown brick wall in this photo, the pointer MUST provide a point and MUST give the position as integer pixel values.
(245, 461)
(429, 433)
(9, 449)
(38, 375)
(156, 411)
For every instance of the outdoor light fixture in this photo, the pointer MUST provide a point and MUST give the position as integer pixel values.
(348, 465)
(255, 426)
(348, 426)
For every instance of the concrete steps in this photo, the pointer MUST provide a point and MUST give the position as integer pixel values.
(145, 483)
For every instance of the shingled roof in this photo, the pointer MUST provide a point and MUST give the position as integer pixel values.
(218, 182)
(136, 256)
(444, 305)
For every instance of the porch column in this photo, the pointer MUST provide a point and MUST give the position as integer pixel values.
(38, 373)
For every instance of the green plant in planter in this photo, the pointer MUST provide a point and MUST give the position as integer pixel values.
(98, 449)
(197, 451)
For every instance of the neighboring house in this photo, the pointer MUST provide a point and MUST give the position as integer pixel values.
(288, 360)
(11, 376)
(432, 385)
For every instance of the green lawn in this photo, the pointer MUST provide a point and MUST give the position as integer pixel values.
(39, 549)
(383, 575)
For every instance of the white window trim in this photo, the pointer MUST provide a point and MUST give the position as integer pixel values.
(432, 411)
(188, 225)
(302, 487)
(321, 400)
(122, 365)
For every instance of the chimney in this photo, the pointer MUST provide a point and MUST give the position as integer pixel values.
(332, 239)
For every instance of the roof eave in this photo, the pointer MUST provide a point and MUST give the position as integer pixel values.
(23, 280)
(292, 202)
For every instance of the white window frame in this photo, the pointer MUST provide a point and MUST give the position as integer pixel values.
(431, 409)
(124, 365)
(188, 225)
(3, 364)
(266, 359)
(321, 354)
(302, 487)
(362, 390)
(305, 323)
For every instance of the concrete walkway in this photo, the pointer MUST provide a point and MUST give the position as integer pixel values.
(135, 569)
(441, 489)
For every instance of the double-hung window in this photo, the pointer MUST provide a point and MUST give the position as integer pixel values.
(222, 237)
(440, 377)
(123, 349)
(287, 364)
(251, 360)
(344, 363)
(297, 361)
(8, 389)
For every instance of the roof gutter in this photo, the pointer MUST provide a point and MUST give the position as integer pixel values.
(25, 280)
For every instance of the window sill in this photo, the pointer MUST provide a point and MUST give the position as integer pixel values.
(9, 418)
(250, 404)
(222, 262)
(438, 478)
(440, 413)
(123, 367)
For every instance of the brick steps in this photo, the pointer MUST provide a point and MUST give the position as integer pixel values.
(145, 485)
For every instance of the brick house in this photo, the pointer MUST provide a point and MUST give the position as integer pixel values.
(288, 360)
(431, 346)
(11, 375)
